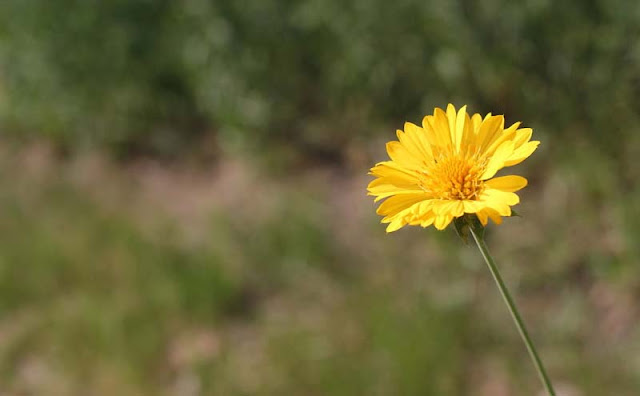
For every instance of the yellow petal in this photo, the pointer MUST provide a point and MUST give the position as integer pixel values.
(496, 162)
(403, 217)
(397, 182)
(472, 206)
(500, 201)
(472, 124)
(503, 197)
(522, 153)
(489, 129)
(499, 138)
(397, 203)
(483, 217)
(415, 140)
(399, 154)
(453, 208)
(423, 207)
(396, 224)
(382, 192)
(522, 136)
(441, 222)
(427, 221)
(509, 183)
(439, 125)
(421, 215)
(500, 208)
(476, 120)
(461, 125)
(495, 216)
(392, 169)
(387, 186)
(451, 119)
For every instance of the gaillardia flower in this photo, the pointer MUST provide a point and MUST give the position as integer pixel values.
(446, 168)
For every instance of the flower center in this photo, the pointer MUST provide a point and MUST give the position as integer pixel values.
(453, 177)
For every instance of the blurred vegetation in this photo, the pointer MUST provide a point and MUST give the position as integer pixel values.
(130, 264)
(155, 77)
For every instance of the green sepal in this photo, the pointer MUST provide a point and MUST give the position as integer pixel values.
(514, 213)
(474, 222)
(462, 228)
(464, 224)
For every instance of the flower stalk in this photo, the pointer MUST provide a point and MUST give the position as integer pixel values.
(444, 172)
(478, 237)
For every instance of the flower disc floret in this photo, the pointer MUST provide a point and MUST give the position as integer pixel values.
(453, 178)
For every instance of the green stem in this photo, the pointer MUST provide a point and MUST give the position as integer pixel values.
(514, 311)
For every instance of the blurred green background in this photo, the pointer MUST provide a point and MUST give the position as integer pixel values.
(183, 208)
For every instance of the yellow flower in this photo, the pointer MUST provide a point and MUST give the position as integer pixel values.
(446, 168)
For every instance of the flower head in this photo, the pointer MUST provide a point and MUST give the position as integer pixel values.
(446, 168)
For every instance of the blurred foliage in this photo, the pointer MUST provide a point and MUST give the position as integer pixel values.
(143, 76)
